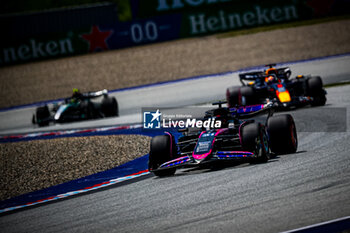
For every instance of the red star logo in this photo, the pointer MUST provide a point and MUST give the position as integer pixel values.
(320, 7)
(97, 39)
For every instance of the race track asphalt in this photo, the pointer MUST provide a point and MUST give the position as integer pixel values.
(174, 94)
(288, 192)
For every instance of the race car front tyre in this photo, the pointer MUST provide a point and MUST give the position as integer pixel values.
(282, 134)
(161, 152)
(316, 91)
(319, 100)
(254, 139)
(42, 116)
(110, 107)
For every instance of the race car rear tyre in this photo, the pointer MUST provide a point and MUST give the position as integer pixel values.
(282, 134)
(162, 149)
(109, 107)
(248, 97)
(254, 139)
(315, 90)
(233, 96)
(240, 96)
(42, 116)
(315, 85)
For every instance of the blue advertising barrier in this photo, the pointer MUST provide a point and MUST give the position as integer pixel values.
(143, 31)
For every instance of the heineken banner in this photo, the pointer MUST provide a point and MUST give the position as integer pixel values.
(59, 33)
(94, 38)
(310, 8)
(213, 20)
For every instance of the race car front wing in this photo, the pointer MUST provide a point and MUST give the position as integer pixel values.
(216, 156)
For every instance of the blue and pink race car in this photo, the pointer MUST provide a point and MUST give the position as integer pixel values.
(239, 138)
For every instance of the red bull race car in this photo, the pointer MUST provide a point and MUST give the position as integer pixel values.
(239, 138)
(276, 85)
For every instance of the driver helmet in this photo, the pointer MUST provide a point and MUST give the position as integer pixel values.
(270, 79)
(75, 91)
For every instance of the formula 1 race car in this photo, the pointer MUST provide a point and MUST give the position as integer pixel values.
(239, 138)
(276, 85)
(76, 108)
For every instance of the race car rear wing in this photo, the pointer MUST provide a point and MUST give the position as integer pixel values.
(88, 95)
(96, 94)
(246, 112)
(281, 73)
(251, 76)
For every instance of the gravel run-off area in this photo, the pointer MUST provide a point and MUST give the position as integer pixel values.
(33, 165)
